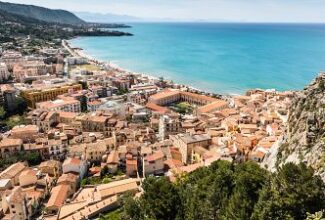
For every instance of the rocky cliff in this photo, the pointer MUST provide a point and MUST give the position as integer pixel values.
(304, 139)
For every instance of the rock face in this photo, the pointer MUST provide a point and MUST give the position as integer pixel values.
(304, 140)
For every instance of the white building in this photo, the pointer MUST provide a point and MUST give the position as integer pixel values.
(4, 73)
(74, 165)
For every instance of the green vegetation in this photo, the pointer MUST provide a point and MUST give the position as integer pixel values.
(33, 158)
(114, 215)
(122, 91)
(228, 191)
(105, 177)
(2, 112)
(15, 120)
(321, 85)
(183, 108)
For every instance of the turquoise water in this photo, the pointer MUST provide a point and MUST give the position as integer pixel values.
(223, 58)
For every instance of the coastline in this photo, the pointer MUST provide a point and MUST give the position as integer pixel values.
(80, 52)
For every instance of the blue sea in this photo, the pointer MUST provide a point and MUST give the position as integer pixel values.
(217, 57)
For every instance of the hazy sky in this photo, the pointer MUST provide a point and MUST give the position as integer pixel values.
(223, 10)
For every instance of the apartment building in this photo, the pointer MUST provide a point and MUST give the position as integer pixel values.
(46, 93)
(64, 105)
(187, 142)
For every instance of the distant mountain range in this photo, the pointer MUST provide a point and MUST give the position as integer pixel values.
(107, 18)
(42, 14)
(116, 18)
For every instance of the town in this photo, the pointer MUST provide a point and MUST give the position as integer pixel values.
(77, 133)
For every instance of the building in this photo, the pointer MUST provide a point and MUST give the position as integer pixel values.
(74, 165)
(34, 95)
(29, 69)
(89, 151)
(51, 167)
(187, 142)
(10, 146)
(113, 160)
(28, 133)
(205, 103)
(4, 73)
(27, 178)
(69, 179)
(10, 58)
(15, 204)
(43, 119)
(168, 126)
(8, 94)
(64, 105)
(13, 172)
(154, 163)
(58, 196)
(131, 167)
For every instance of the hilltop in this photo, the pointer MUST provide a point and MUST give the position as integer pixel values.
(42, 14)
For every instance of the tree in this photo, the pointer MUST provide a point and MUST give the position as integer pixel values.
(104, 171)
(249, 179)
(2, 112)
(291, 193)
(15, 120)
(160, 201)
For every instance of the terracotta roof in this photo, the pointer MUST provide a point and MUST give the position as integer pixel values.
(213, 106)
(8, 142)
(155, 156)
(28, 172)
(12, 171)
(172, 163)
(156, 108)
(68, 177)
(117, 187)
(164, 94)
(58, 196)
(74, 161)
(132, 162)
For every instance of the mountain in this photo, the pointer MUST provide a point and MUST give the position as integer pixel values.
(107, 18)
(305, 133)
(42, 14)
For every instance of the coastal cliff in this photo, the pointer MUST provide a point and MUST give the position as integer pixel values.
(304, 139)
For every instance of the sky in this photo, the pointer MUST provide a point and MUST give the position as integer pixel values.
(206, 10)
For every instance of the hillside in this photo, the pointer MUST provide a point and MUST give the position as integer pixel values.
(42, 14)
(305, 133)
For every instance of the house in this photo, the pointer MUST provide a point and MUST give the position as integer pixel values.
(27, 178)
(10, 146)
(51, 167)
(13, 172)
(14, 204)
(113, 161)
(24, 132)
(76, 166)
(154, 163)
(186, 143)
(131, 167)
(69, 179)
(58, 196)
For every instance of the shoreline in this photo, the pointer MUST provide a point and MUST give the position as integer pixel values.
(80, 52)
